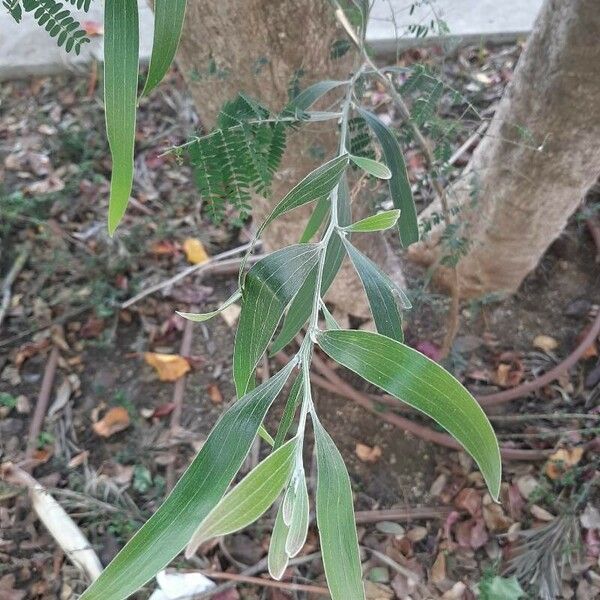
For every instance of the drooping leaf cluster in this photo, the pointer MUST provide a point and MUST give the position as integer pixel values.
(281, 295)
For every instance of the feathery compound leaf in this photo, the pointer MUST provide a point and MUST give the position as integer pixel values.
(399, 184)
(372, 167)
(423, 384)
(335, 520)
(379, 222)
(269, 287)
(201, 317)
(168, 22)
(55, 19)
(316, 184)
(198, 491)
(249, 499)
(380, 292)
(239, 157)
(299, 310)
(121, 54)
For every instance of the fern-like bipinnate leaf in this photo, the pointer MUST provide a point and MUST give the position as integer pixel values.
(239, 157)
(58, 22)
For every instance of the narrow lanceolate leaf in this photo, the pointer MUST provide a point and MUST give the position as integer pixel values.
(372, 167)
(307, 97)
(298, 526)
(399, 185)
(200, 317)
(317, 217)
(423, 384)
(198, 491)
(168, 22)
(299, 310)
(381, 292)
(335, 520)
(379, 222)
(249, 499)
(278, 559)
(316, 184)
(121, 54)
(288, 412)
(269, 287)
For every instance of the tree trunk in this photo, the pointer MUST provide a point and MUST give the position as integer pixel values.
(524, 196)
(259, 46)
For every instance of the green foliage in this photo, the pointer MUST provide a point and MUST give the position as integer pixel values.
(280, 295)
(238, 158)
(55, 19)
(495, 587)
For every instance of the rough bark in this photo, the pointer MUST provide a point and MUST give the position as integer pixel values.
(257, 47)
(524, 196)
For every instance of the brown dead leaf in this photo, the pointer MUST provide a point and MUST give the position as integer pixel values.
(169, 367)
(541, 513)
(545, 343)
(495, 518)
(115, 420)
(367, 453)
(164, 410)
(194, 251)
(562, 460)
(165, 248)
(438, 570)
(230, 314)
(78, 459)
(468, 499)
(509, 374)
(92, 328)
(42, 455)
(214, 393)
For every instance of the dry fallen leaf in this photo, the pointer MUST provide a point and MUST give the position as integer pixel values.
(438, 570)
(230, 314)
(545, 343)
(468, 499)
(562, 460)
(194, 251)
(164, 248)
(115, 420)
(78, 459)
(169, 367)
(367, 453)
(214, 393)
(541, 513)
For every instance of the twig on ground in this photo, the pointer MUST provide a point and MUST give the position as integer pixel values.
(42, 403)
(212, 265)
(545, 416)
(10, 279)
(282, 585)
(184, 350)
(62, 528)
(403, 514)
(259, 567)
(58, 321)
(524, 389)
